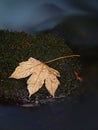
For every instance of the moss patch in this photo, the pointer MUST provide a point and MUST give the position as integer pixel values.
(16, 47)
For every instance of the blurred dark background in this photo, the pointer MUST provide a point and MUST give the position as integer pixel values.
(35, 15)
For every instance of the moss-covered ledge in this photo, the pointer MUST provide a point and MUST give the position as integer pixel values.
(16, 47)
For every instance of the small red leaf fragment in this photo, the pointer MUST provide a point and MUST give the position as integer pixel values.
(78, 77)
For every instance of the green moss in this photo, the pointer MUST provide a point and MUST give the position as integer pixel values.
(16, 47)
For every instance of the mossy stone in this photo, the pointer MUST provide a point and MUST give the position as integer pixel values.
(16, 47)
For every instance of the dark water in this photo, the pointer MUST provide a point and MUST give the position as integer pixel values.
(35, 15)
(58, 116)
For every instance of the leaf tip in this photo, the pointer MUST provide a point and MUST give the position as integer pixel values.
(10, 76)
(29, 95)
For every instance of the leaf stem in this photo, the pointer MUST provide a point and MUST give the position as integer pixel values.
(63, 57)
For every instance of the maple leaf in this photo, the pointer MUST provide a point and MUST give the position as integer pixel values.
(40, 74)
